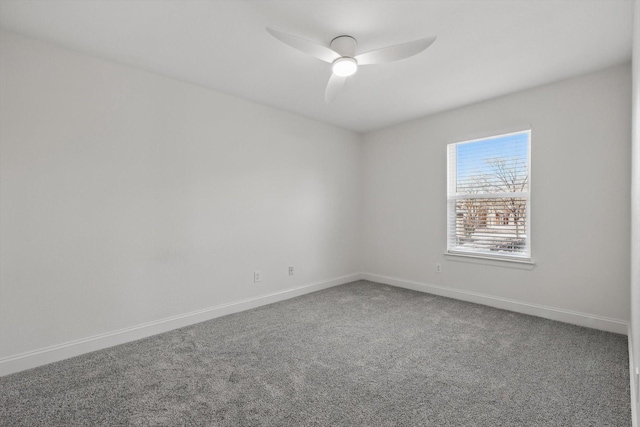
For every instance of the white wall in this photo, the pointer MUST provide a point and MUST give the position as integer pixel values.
(635, 206)
(580, 199)
(128, 197)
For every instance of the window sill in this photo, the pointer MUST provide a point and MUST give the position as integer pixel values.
(520, 264)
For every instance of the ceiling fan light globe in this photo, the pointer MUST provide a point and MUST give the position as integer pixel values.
(345, 67)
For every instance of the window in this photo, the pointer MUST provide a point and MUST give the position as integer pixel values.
(488, 204)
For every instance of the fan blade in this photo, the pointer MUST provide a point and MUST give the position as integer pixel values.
(394, 53)
(313, 49)
(333, 87)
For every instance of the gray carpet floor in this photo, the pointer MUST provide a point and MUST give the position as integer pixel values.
(361, 354)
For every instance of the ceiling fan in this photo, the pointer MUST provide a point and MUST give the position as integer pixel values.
(341, 53)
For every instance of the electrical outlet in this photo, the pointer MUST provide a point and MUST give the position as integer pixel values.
(290, 271)
(257, 276)
(438, 268)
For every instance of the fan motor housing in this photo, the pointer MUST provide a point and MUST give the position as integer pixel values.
(345, 46)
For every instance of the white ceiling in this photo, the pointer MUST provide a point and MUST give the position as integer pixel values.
(484, 48)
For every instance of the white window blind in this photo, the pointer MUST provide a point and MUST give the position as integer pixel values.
(488, 204)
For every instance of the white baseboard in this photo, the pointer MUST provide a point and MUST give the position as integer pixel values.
(32, 359)
(632, 385)
(552, 313)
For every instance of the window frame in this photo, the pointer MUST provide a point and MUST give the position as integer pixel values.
(453, 197)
